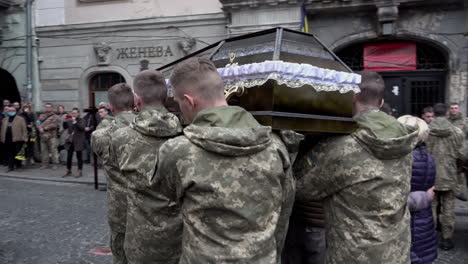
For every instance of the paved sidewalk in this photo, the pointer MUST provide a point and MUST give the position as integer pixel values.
(34, 173)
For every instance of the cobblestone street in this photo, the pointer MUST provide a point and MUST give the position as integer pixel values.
(49, 222)
(46, 222)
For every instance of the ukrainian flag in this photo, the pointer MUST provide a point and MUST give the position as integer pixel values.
(304, 20)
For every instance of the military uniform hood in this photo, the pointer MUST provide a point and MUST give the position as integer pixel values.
(383, 136)
(440, 127)
(156, 122)
(229, 131)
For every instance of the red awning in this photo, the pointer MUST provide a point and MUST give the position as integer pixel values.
(399, 56)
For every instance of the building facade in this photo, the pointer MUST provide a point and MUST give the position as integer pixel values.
(13, 53)
(86, 46)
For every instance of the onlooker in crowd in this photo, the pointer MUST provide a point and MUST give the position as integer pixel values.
(444, 143)
(363, 180)
(17, 106)
(121, 103)
(386, 108)
(6, 102)
(29, 117)
(97, 115)
(48, 133)
(104, 117)
(230, 176)
(90, 119)
(457, 119)
(76, 138)
(13, 135)
(138, 146)
(423, 233)
(428, 114)
(62, 132)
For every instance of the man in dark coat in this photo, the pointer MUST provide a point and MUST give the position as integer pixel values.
(76, 141)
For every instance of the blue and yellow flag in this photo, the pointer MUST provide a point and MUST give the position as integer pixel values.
(304, 20)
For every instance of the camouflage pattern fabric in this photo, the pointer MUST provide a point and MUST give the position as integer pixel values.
(445, 200)
(154, 226)
(445, 143)
(105, 122)
(49, 146)
(232, 178)
(461, 122)
(364, 181)
(116, 184)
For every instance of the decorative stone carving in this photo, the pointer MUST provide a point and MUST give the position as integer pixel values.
(144, 64)
(102, 52)
(186, 45)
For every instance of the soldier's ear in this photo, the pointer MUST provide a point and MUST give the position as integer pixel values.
(381, 103)
(190, 100)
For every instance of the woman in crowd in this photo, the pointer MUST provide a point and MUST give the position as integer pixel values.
(423, 233)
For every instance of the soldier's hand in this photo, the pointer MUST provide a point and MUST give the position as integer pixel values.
(431, 193)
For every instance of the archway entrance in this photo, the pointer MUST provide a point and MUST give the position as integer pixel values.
(99, 84)
(9, 89)
(411, 89)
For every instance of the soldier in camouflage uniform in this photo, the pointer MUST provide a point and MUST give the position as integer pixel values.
(363, 180)
(138, 145)
(121, 103)
(457, 119)
(445, 143)
(230, 175)
(106, 118)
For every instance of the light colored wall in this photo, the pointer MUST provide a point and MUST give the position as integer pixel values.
(111, 10)
(50, 12)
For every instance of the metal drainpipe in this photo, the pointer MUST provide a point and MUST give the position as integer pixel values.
(29, 58)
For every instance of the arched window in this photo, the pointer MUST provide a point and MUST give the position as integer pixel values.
(99, 84)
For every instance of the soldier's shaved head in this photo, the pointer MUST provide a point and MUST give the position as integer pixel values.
(440, 110)
(197, 75)
(121, 97)
(150, 85)
(372, 89)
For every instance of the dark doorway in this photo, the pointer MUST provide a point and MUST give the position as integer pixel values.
(408, 92)
(8, 89)
(99, 84)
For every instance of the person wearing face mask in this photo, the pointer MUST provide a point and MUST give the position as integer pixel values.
(13, 134)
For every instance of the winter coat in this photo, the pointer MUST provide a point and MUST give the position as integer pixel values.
(364, 181)
(138, 146)
(76, 133)
(461, 122)
(19, 131)
(423, 234)
(445, 143)
(232, 179)
(50, 125)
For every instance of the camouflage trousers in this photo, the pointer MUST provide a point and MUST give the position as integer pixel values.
(49, 146)
(443, 207)
(117, 247)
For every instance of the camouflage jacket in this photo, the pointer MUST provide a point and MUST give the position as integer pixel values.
(138, 145)
(460, 122)
(364, 182)
(445, 143)
(232, 178)
(105, 122)
(116, 184)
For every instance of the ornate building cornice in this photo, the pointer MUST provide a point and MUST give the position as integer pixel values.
(229, 5)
